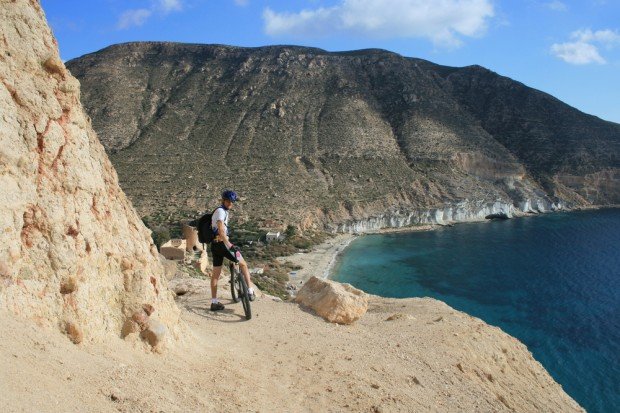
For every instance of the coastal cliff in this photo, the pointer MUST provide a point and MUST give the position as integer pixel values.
(465, 211)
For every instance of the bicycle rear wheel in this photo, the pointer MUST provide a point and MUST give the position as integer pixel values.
(234, 283)
(244, 295)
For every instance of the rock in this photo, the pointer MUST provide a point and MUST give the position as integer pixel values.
(141, 318)
(396, 316)
(499, 215)
(74, 332)
(154, 333)
(148, 309)
(130, 327)
(183, 286)
(68, 286)
(170, 267)
(67, 228)
(5, 271)
(335, 302)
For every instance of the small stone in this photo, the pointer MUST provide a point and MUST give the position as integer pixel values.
(68, 286)
(154, 333)
(129, 327)
(396, 316)
(375, 386)
(148, 309)
(140, 317)
(74, 332)
(126, 264)
(4, 270)
(54, 65)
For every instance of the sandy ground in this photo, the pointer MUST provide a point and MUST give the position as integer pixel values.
(402, 356)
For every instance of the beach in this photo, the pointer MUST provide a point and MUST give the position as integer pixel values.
(320, 259)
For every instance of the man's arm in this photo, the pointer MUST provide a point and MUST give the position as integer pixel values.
(221, 231)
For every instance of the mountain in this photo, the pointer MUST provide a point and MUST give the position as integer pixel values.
(348, 141)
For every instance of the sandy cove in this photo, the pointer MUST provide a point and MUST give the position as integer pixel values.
(321, 258)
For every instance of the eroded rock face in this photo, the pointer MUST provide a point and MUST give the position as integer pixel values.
(73, 252)
(335, 302)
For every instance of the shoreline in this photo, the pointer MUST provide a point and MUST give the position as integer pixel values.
(320, 260)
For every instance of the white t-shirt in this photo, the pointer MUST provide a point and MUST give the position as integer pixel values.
(220, 214)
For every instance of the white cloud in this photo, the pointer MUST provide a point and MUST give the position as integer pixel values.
(556, 5)
(443, 21)
(242, 2)
(584, 47)
(170, 5)
(137, 17)
(131, 18)
(577, 53)
(606, 37)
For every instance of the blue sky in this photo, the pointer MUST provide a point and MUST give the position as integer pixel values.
(570, 49)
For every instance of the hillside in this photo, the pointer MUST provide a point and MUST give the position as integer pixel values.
(350, 140)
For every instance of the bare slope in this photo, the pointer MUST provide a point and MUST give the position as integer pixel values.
(73, 252)
(314, 137)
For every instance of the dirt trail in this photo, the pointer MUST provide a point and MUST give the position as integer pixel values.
(429, 357)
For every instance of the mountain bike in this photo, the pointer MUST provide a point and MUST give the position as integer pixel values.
(239, 287)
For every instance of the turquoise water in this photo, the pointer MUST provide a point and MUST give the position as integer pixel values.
(552, 281)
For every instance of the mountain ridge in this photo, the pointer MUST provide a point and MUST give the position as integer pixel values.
(352, 134)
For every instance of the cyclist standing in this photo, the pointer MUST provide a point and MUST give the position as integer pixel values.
(221, 248)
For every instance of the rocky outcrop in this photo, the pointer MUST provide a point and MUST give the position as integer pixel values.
(335, 302)
(73, 252)
(329, 139)
(465, 211)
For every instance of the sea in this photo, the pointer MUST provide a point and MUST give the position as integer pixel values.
(551, 280)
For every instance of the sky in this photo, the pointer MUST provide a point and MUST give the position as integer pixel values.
(569, 49)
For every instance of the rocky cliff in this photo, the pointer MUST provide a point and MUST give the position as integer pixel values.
(345, 139)
(73, 251)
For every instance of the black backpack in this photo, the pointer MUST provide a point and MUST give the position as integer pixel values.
(203, 224)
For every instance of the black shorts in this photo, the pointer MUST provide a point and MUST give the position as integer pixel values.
(219, 252)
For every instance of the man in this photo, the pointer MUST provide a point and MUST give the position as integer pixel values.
(221, 248)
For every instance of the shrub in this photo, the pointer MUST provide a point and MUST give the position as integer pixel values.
(160, 236)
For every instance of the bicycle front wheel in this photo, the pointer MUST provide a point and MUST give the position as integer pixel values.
(245, 296)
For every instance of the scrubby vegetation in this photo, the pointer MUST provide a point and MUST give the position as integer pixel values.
(251, 237)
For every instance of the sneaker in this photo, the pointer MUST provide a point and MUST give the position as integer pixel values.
(252, 296)
(217, 306)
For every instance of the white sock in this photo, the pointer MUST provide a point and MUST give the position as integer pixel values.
(251, 290)
(214, 301)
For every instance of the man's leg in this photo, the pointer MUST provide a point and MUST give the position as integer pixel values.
(243, 266)
(218, 260)
(215, 276)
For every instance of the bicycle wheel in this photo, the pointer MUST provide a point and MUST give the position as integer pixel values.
(245, 296)
(234, 284)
